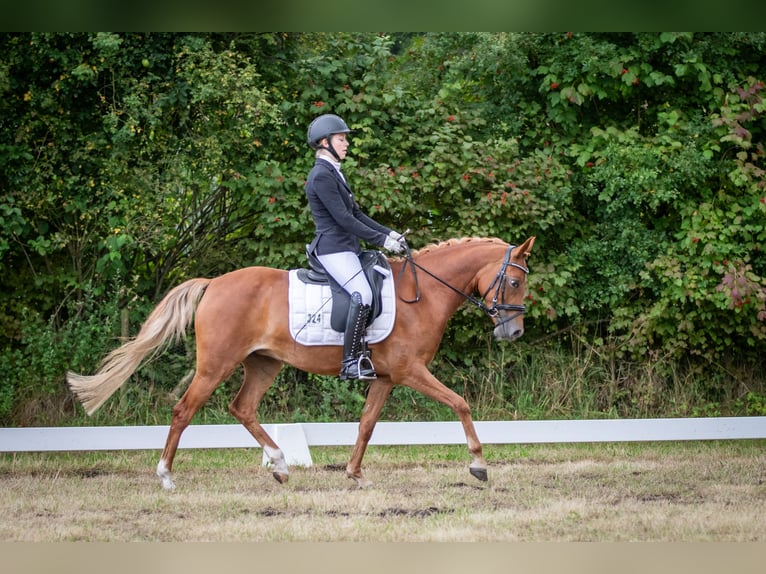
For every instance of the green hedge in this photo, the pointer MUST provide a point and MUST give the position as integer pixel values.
(130, 162)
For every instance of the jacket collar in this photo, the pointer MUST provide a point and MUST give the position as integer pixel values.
(327, 164)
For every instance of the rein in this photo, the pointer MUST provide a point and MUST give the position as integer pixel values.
(498, 284)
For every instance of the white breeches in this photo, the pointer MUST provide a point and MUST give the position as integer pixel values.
(347, 270)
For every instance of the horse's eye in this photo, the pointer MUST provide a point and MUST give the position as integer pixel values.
(514, 283)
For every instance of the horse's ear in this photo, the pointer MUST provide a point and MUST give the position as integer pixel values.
(526, 247)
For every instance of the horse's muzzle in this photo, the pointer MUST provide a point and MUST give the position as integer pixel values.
(509, 330)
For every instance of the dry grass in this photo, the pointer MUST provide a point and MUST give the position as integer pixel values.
(638, 492)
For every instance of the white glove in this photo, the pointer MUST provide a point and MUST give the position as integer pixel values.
(395, 236)
(392, 244)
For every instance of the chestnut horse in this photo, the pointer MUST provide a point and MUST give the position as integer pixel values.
(242, 318)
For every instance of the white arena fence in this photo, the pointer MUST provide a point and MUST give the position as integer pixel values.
(297, 438)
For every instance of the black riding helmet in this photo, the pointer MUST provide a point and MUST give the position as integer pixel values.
(323, 127)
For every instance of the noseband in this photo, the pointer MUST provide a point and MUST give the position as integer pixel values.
(498, 284)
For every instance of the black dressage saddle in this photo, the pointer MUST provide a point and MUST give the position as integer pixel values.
(375, 267)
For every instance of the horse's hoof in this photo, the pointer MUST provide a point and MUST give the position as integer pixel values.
(280, 477)
(480, 473)
(360, 481)
(165, 476)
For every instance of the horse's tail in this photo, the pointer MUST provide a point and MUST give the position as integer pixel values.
(166, 323)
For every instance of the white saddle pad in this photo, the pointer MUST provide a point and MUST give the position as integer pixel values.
(310, 311)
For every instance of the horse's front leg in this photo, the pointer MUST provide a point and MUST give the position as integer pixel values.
(421, 380)
(377, 394)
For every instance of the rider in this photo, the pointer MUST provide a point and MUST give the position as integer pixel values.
(340, 224)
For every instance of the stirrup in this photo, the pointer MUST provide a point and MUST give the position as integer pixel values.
(360, 368)
(365, 368)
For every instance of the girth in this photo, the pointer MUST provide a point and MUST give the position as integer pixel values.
(375, 267)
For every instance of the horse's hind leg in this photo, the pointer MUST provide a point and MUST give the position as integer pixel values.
(260, 372)
(202, 386)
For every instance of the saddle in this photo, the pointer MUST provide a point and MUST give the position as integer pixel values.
(375, 267)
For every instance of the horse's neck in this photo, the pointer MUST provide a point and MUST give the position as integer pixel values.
(459, 265)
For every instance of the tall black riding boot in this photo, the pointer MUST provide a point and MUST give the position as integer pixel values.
(356, 362)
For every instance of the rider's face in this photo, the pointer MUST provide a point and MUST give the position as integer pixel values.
(340, 143)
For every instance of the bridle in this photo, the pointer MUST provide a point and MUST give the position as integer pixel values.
(498, 284)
